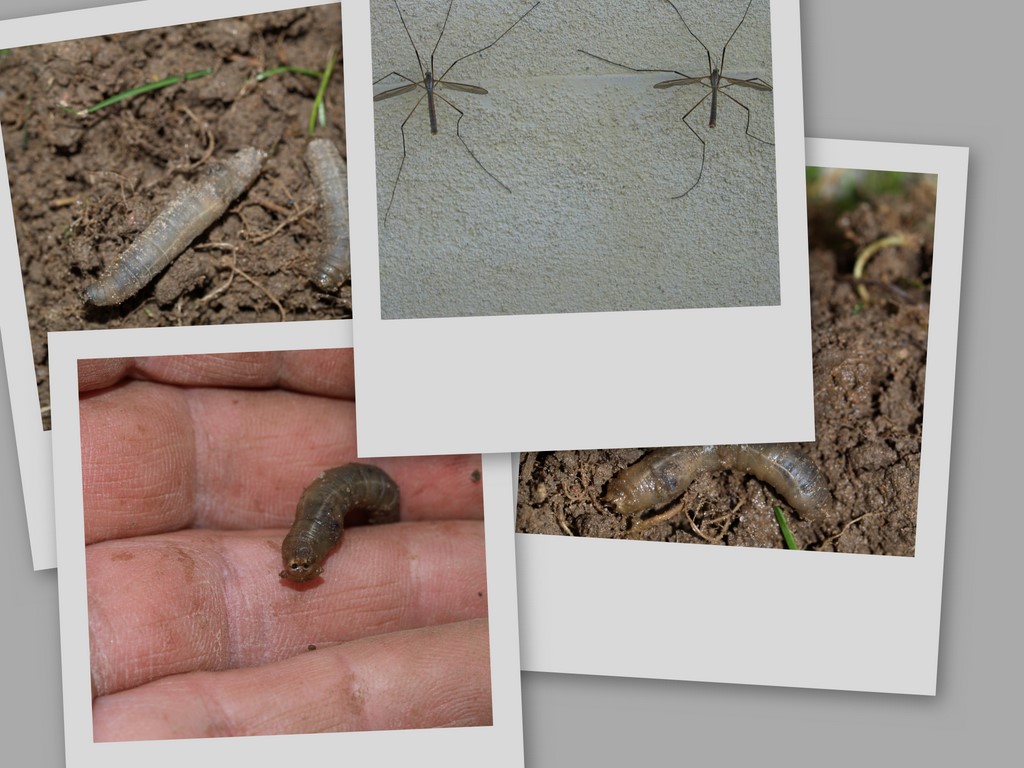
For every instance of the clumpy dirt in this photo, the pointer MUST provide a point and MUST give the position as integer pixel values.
(869, 374)
(83, 188)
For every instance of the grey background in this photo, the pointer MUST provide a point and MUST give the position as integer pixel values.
(916, 71)
(593, 155)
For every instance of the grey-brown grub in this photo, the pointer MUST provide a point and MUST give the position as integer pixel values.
(190, 214)
(330, 177)
(663, 475)
(320, 515)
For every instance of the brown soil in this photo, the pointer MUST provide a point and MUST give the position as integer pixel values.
(83, 188)
(869, 373)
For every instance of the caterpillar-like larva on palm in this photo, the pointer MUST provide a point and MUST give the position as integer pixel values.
(187, 216)
(331, 180)
(664, 475)
(320, 515)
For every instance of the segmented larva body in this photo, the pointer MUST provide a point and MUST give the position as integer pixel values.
(664, 475)
(331, 180)
(187, 216)
(320, 516)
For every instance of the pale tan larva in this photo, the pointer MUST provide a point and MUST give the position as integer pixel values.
(187, 216)
(320, 515)
(664, 475)
(331, 180)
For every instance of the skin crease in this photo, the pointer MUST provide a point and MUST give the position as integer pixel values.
(189, 490)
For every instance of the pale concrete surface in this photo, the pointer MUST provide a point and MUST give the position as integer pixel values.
(592, 153)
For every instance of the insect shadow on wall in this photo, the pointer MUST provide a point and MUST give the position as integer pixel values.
(714, 82)
(429, 82)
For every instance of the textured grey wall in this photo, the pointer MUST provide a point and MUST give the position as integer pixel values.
(593, 155)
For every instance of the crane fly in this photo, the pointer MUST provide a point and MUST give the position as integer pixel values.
(714, 81)
(429, 82)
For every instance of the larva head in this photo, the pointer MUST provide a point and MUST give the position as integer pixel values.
(301, 567)
(628, 493)
(618, 499)
(329, 277)
(98, 295)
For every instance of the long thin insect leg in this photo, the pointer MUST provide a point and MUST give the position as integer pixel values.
(632, 69)
(734, 33)
(472, 154)
(722, 62)
(396, 74)
(490, 44)
(680, 15)
(401, 165)
(419, 63)
(444, 26)
(703, 146)
(747, 110)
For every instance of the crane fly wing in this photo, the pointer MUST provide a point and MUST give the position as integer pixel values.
(396, 91)
(751, 83)
(464, 87)
(679, 81)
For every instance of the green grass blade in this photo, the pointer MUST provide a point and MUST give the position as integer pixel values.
(790, 541)
(167, 81)
(332, 57)
(282, 70)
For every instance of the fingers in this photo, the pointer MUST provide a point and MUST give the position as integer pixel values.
(157, 458)
(326, 372)
(207, 600)
(424, 678)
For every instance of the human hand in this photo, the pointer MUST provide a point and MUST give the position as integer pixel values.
(192, 468)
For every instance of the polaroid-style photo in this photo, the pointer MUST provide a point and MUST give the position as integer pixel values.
(168, 164)
(583, 206)
(234, 581)
(812, 565)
